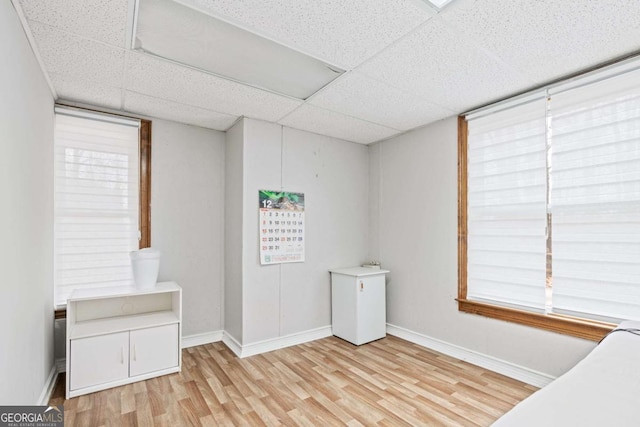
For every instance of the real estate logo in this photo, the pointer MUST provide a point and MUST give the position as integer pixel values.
(32, 416)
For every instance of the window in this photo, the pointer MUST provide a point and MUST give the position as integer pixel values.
(101, 198)
(549, 206)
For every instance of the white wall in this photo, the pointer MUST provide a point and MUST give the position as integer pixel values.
(261, 288)
(414, 198)
(333, 175)
(26, 214)
(283, 299)
(187, 218)
(233, 231)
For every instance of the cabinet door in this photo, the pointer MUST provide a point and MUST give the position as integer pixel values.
(99, 360)
(153, 349)
(371, 309)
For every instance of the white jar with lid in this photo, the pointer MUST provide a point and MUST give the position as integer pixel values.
(145, 264)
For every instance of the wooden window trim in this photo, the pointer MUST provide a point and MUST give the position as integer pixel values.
(145, 184)
(568, 325)
(145, 194)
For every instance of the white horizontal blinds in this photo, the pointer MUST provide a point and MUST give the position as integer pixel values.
(96, 200)
(595, 199)
(507, 198)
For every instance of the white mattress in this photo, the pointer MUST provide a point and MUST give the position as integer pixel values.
(601, 390)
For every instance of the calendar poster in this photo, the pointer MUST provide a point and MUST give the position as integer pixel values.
(281, 227)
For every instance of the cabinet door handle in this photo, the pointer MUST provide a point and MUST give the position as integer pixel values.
(361, 286)
(134, 352)
(122, 355)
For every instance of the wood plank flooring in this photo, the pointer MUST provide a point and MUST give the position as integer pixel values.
(327, 382)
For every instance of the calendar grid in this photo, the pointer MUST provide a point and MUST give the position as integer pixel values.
(282, 226)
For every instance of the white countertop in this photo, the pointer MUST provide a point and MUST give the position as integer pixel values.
(358, 271)
(116, 291)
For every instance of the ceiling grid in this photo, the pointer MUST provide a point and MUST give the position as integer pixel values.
(407, 64)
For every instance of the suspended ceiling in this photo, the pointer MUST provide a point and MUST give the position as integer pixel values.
(407, 64)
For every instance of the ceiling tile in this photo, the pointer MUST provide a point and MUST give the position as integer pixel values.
(344, 33)
(77, 58)
(325, 122)
(436, 64)
(102, 20)
(357, 95)
(411, 66)
(167, 80)
(162, 109)
(86, 92)
(549, 39)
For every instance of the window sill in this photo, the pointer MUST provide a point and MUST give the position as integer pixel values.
(581, 328)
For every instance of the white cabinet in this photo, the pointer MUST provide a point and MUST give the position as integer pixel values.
(153, 349)
(358, 310)
(99, 360)
(116, 336)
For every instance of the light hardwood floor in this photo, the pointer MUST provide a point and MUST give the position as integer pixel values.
(327, 382)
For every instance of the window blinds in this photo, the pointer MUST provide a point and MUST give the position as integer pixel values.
(507, 206)
(595, 198)
(96, 200)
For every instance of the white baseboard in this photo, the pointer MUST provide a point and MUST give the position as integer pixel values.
(233, 344)
(201, 339)
(47, 390)
(275, 343)
(285, 341)
(508, 369)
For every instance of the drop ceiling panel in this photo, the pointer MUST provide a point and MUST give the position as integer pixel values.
(344, 33)
(104, 20)
(166, 80)
(325, 122)
(359, 96)
(169, 30)
(87, 92)
(435, 63)
(77, 58)
(549, 39)
(162, 109)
